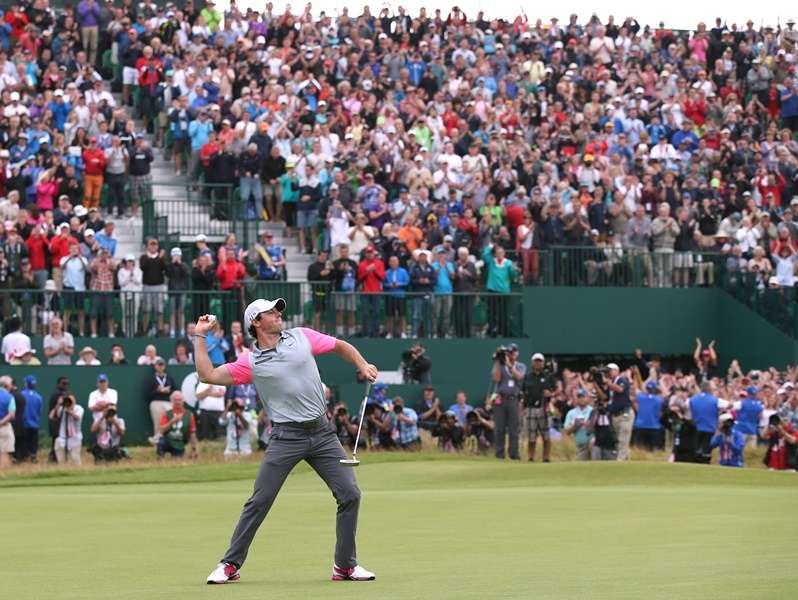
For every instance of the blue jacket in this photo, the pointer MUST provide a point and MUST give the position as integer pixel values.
(731, 448)
(33, 408)
(443, 278)
(704, 408)
(747, 421)
(400, 277)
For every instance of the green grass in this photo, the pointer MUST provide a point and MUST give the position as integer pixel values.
(431, 526)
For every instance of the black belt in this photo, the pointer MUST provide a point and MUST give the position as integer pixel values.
(306, 425)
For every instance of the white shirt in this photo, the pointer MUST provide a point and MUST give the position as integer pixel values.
(14, 343)
(211, 402)
(109, 397)
(77, 435)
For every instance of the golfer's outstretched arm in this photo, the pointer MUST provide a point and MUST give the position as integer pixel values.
(351, 354)
(207, 374)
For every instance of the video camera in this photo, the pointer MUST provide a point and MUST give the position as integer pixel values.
(500, 354)
(598, 374)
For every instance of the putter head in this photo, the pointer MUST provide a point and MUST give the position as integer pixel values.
(349, 462)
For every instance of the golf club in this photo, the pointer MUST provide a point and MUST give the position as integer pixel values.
(353, 462)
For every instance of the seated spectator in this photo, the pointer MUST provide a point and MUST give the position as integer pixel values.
(102, 398)
(428, 409)
(150, 356)
(14, 340)
(382, 423)
(182, 355)
(238, 423)
(177, 428)
(108, 429)
(87, 357)
(25, 357)
(68, 414)
(117, 355)
(159, 389)
(460, 408)
(59, 345)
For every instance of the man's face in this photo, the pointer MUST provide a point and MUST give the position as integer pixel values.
(177, 402)
(102, 385)
(270, 321)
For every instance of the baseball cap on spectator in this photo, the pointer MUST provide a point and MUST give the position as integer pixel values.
(130, 258)
(201, 237)
(63, 226)
(30, 381)
(102, 377)
(88, 233)
(537, 356)
(651, 385)
(58, 92)
(725, 417)
(160, 361)
(176, 252)
(14, 96)
(613, 366)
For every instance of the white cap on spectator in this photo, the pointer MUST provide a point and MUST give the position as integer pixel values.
(88, 233)
(176, 251)
(725, 417)
(14, 96)
(64, 224)
(260, 40)
(201, 237)
(537, 356)
(613, 366)
(130, 257)
(80, 211)
(58, 93)
(418, 158)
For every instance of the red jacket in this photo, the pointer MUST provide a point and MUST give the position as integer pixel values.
(94, 161)
(59, 248)
(37, 251)
(230, 273)
(371, 280)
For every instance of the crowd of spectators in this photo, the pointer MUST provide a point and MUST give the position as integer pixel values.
(449, 136)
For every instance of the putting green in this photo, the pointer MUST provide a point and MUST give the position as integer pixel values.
(441, 528)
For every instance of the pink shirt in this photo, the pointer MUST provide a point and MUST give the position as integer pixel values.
(241, 369)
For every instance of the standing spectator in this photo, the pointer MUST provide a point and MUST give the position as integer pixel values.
(395, 285)
(203, 278)
(704, 407)
(621, 409)
(94, 168)
(153, 272)
(647, 431)
(664, 230)
(116, 165)
(465, 284)
(178, 273)
(370, 274)
(75, 268)
(105, 238)
(237, 422)
(210, 406)
(537, 387)
(321, 276)
(68, 414)
(102, 398)
(270, 258)
(31, 418)
(576, 424)
(501, 272)
(37, 252)
(160, 386)
(249, 170)
(102, 285)
(130, 277)
(140, 178)
(59, 345)
(749, 412)
(176, 428)
(89, 18)
(442, 303)
(422, 278)
(199, 131)
(507, 373)
(346, 271)
(14, 341)
(59, 249)
(150, 89)
(8, 413)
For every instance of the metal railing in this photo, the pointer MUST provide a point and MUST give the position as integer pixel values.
(316, 304)
(179, 212)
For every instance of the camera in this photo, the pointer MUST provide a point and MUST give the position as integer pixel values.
(597, 374)
(110, 412)
(727, 426)
(500, 354)
(341, 412)
(68, 400)
(397, 408)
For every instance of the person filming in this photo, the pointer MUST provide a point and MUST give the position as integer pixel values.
(507, 375)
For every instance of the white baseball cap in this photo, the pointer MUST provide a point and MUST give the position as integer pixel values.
(613, 366)
(537, 356)
(261, 305)
(725, 417)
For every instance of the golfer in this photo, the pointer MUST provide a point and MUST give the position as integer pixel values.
(282, 367)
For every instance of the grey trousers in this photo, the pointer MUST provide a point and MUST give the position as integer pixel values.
(322, 450)
(506, 418)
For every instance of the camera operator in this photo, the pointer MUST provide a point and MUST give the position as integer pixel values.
(345, 426)
(621, 409)
(605, 445)
(383, 422)
(61, 388)
(538, 387)
(685, 435)
(730, 442)
(449, 432)
(238, 422)
(479, 430)
(108, 430)
(101, 398)
(416, 367)
(782, 443)
(428, 409)
(507, 373)
(407, 424)
(69, 414)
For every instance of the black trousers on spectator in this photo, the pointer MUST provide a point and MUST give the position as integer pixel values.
(703, 451)
(31, 442)
(463, 309)
(116, 192)
(208, 424)
(498, 319)
(649, 439)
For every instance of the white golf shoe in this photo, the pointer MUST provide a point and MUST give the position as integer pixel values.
(356, 573)
(224, 573)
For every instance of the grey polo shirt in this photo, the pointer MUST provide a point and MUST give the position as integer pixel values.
(286, 376)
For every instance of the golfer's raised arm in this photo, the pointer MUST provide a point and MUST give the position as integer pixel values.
(207, 374)
(351, 354)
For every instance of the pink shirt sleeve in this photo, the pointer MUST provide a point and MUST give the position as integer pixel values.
(240, 369)
(319, 342)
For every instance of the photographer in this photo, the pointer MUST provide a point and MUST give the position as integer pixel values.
(345, 426)
(600, 425)
(621, 409)
(449, 433)
(416, 367)
(102, 398)
(685, 435)
(69, 414)
(108, 430)
(428, 409)
(507, 373)
(238, 422)
(730, 442)
(782, 442)
(407, 424)
(479, 430)
(383, 423)
(538, 387)
(177, 427)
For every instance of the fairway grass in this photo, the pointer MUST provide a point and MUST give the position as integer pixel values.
(430, 527)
